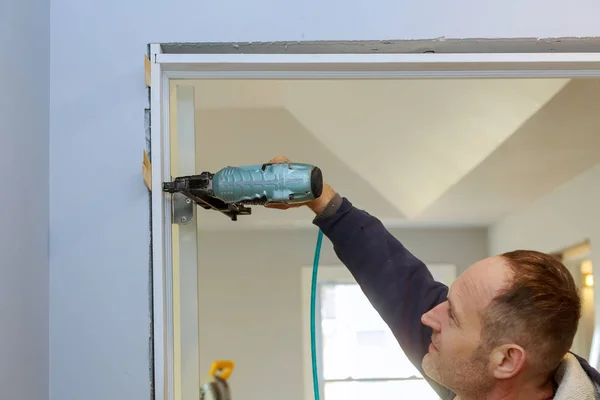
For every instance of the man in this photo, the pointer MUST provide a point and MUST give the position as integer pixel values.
(502, 331)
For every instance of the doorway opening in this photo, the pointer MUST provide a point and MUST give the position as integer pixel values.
(439, 147)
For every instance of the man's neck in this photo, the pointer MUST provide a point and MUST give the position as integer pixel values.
(531, 391)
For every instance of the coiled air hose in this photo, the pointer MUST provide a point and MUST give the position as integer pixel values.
(313, 301)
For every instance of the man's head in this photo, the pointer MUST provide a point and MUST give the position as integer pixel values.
(508, 318)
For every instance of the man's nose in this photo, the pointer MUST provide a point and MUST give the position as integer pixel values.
(430, 319)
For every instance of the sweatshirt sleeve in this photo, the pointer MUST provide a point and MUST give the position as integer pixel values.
(397, 284)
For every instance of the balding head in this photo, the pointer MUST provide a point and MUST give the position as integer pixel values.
(539, 309)
(508, 317)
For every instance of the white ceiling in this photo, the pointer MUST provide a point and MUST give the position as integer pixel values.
(411, 152)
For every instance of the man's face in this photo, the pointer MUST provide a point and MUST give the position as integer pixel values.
(455, 358)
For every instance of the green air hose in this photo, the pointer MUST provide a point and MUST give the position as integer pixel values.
(313, 298)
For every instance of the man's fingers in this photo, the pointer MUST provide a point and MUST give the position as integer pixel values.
(280, 159)
(277, 160)
(280, 206)
(277, 206)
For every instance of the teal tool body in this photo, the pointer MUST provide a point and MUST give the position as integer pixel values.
(232, 189)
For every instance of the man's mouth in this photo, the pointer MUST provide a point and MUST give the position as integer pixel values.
(432, 347)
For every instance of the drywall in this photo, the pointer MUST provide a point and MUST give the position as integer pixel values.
(99, 205)
(24, 96)
(565, 217)
(250, 299)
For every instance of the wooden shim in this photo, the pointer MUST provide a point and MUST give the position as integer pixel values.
(147, 68)
(147, 171)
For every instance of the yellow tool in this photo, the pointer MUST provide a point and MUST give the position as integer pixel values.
(218, 389)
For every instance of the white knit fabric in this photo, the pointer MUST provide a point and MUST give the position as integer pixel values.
(573, 382)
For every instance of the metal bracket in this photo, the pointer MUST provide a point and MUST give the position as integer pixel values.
(183, 209)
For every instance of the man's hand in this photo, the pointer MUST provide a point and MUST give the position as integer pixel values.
(317, 205)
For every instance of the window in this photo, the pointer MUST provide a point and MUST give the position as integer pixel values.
(358, 355)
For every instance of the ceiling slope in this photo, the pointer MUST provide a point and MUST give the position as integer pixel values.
(251, 136)
(559, 142)
(414, 139)
(413, 153)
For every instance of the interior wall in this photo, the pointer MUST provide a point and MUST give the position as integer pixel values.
(250, 298)
(99, 263)
(585, 332)
(567, 216)
(24, 97)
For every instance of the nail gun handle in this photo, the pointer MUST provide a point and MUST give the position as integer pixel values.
(222, 369)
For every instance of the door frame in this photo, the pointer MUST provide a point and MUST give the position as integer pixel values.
(368, 65)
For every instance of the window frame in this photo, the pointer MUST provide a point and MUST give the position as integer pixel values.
(339, 274)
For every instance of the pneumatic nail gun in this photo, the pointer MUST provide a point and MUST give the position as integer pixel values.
(232, 189)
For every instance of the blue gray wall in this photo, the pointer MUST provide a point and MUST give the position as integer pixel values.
(24, 96)
(99, 217)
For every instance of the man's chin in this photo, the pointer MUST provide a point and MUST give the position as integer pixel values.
(429, 368)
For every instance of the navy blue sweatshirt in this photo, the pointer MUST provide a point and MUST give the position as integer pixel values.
(398, 284)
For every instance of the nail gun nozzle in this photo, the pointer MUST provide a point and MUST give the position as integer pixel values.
(199, 184)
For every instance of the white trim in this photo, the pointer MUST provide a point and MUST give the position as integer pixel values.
(378, 66)
(185, 249)
(445, 273)
(197, 73)
(161, 234)
(375, 58)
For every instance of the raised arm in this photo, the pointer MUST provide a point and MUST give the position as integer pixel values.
(398, 285)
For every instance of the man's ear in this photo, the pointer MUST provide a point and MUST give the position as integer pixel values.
(507, 361)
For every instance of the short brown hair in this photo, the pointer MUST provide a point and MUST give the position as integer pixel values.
(539, 309)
